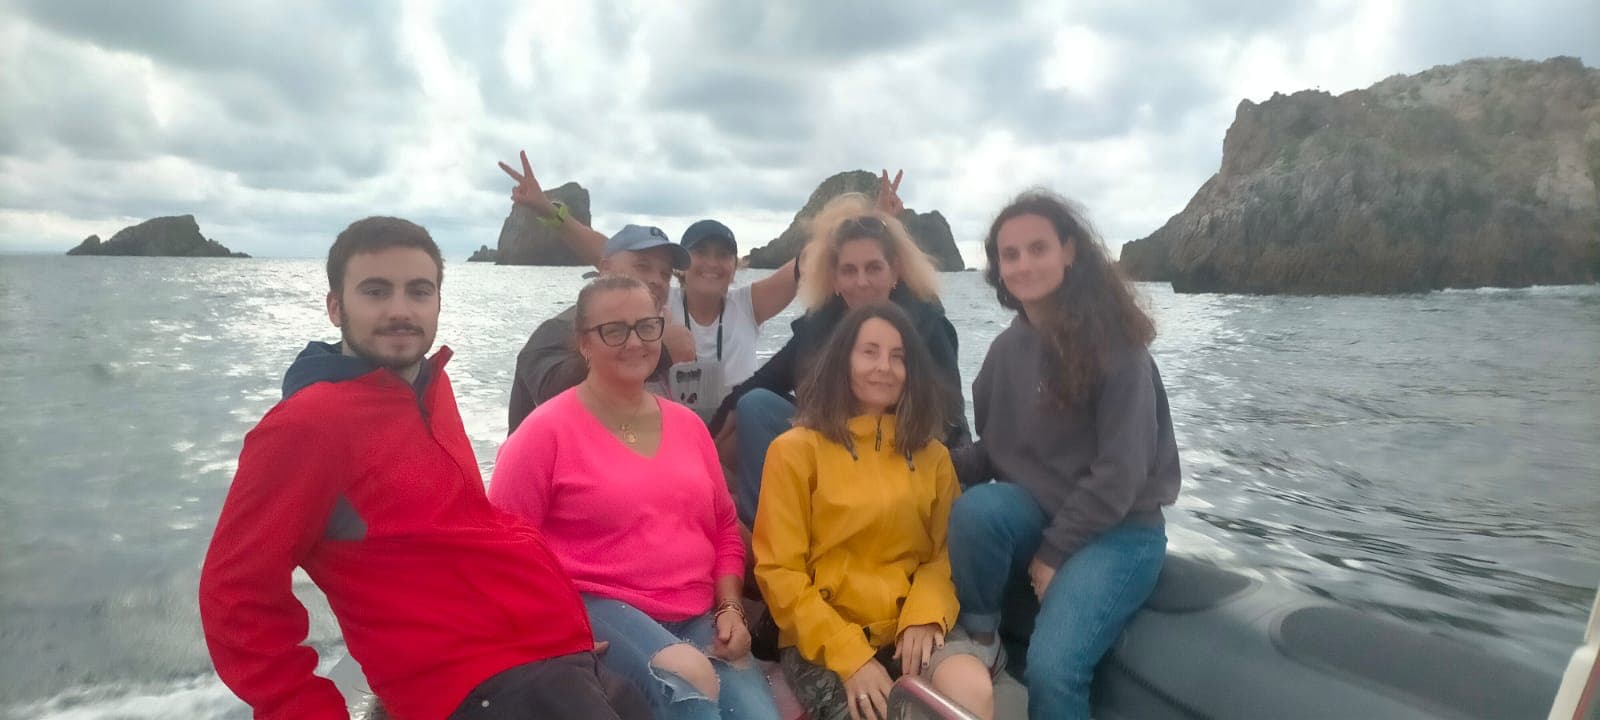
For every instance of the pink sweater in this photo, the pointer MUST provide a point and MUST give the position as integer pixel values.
(655, 533)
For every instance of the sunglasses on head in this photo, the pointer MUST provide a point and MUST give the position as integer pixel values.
(862, 225)
(615, 333)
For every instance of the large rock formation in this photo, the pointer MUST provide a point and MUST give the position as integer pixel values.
(930, 229)
(177, 236)
(526, 241)
(1478, 174)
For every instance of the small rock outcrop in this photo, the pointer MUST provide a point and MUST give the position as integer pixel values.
(930, 229)
(485, 254)
(524, 240)
(175, 236)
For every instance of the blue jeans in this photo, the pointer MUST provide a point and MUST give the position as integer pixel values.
(995, 530)
(762, 415)
(636, 638)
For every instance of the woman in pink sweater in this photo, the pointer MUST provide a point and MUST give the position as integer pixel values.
(629, 494)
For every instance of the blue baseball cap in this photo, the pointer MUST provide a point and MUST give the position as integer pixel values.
(643, 237)
(708, 230)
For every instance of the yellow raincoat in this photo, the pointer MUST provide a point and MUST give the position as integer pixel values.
(850, 549)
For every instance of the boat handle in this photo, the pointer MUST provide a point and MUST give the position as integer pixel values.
(913, 697)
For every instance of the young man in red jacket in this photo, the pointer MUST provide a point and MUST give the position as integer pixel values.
(363, 476)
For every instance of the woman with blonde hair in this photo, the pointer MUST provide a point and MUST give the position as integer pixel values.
(859, 254)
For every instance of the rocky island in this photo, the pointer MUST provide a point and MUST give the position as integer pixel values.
(175, 236)
(1483, 173)
(930, 229)
(526, 241)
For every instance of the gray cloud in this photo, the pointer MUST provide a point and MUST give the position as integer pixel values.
(269, 91)
(475, 34)
(1149, 58)
(1212, 22)
(305, 51)
(269, 156)
(650, 192)
(277, 123)
(758, 71)
(1498, 28)
(743, 103)
(832, 32)
(1006, 76)
(691, 153)
(96, 115)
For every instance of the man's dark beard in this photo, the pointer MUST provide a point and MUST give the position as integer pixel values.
(364, 354)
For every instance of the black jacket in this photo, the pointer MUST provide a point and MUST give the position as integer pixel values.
(783, 372)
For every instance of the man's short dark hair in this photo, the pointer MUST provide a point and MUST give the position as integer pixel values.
(372, 235)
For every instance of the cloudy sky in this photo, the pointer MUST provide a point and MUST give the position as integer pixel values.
(278, 122)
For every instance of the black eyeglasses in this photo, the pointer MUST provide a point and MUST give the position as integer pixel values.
(615, 333)
(862, 226)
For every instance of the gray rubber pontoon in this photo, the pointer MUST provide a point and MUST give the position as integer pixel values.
(1215, 644)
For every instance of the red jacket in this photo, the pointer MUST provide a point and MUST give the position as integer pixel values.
(374, 490)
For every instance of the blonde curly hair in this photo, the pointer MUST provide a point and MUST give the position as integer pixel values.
(821, 254)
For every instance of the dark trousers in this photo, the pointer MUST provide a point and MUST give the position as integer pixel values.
(570, 686)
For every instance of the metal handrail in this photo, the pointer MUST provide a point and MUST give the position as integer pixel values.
(912, 694)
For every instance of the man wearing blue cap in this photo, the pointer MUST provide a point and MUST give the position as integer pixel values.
(708, 321)
(550, 363)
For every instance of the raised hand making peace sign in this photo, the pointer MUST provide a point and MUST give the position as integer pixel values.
(583, 240)
(889, 193)
(527, 192)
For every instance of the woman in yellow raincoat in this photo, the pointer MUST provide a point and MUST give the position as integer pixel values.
(850, 528)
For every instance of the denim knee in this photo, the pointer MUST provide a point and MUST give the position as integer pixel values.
(762, 416)
(1049, 663)
(992, 510)
(678, 689)
(745, 693)
(762, 403)
(679, 698)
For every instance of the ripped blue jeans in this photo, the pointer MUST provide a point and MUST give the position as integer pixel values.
(636, 638)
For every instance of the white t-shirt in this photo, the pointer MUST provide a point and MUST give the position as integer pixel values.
(739, 333)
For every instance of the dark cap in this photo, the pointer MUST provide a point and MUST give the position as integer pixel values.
(707, 230)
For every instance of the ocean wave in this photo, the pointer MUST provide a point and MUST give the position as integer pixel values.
(1533, 291)
(199, 697)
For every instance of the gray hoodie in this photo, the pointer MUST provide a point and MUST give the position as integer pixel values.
(1090, 467)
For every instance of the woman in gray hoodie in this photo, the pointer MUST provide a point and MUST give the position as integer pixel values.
(1074, 462)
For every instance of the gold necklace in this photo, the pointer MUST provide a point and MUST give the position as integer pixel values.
(625, 428)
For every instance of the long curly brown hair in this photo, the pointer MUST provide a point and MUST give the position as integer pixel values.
(1098, 312)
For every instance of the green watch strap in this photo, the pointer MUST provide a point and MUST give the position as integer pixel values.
(562, 213)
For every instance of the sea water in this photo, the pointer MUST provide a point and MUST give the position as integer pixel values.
(1434, 458)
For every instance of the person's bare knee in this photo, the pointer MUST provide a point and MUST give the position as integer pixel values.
(964, 679)
(688, 663)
